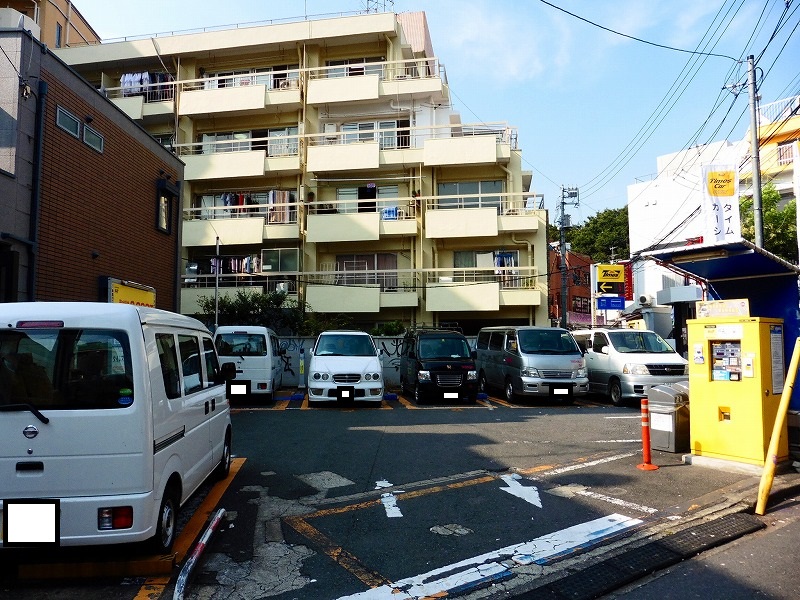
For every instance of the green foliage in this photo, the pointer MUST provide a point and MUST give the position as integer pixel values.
(600, 233)
(780, 224)
(393, 328)
(274, 310)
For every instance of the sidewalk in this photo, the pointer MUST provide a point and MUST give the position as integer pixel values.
(716, 519)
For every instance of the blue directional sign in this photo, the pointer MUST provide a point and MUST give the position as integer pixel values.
(610, 303)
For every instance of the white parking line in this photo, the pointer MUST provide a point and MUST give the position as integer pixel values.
(488, 566)
(590, 463)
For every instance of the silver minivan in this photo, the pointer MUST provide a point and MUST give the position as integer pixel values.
(625, 363)
(531, 361)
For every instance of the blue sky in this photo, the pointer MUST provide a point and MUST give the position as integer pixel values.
(593, 109)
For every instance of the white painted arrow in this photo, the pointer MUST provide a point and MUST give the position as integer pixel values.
(515, 488)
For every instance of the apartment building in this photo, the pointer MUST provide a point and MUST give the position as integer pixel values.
(324, 158)
(778, 135)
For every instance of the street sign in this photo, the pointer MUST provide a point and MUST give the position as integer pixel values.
(614, 273)
(608, 287)
(610, 303)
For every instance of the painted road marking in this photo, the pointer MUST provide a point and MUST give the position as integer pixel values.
(624, 417)
(637, 440)
(515, 488)
(590, 463)
(389, 502)
(486, 567)
(575, 489)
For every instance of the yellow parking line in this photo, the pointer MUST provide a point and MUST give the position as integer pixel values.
(282, 404)
(153, 587)
(405, 402)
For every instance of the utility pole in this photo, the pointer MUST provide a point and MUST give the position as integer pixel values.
(563, 224)
(758, 217)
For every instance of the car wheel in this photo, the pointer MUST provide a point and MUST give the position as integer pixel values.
(482, 385)
(224, 466)
(615, 392)
(166, 526)
(509, 389)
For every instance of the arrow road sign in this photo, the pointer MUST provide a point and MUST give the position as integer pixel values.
(607, 287)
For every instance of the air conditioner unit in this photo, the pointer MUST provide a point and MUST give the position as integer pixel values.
(645, 299)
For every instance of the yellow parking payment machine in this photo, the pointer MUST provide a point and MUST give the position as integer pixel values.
(736, 376)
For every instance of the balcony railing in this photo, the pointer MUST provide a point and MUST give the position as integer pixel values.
(388, 280)
(273, 213)
(151, 92)
(779, 111)
(390, 209)
(273, 80)
(505, 203)
(392, 138)
(275, 146)
(425, 68)
(509, 278)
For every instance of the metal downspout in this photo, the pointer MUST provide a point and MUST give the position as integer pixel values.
(36, 189)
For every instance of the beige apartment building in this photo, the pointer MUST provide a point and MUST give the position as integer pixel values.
(324, 158)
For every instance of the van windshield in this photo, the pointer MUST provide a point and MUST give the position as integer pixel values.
(65, 368)
(639, 341)
(443, 347)
(545, 341)
(333, 344)
(241, 344)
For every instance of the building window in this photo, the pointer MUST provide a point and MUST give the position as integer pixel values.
(280, 260)
(164, 213)
(68, 122)
(470, 194)
(58, 35)
(92, 139)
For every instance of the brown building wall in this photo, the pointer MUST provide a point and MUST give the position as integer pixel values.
(98, 210)
(75, 31)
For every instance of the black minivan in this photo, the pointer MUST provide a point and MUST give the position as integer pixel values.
(438, 364)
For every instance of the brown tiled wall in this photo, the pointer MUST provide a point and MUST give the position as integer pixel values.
(104, 203)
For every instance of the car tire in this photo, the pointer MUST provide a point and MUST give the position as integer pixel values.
(615, 392)
(167, 523)
(509, 391)
(223, 469)
(483, 386)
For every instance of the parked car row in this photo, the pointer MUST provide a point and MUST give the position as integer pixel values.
(113, 415)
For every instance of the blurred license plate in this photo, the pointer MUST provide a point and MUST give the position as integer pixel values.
(451, 394)
(31, 522)
(561, 390)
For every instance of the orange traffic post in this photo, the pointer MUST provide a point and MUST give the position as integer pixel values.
(646, 465)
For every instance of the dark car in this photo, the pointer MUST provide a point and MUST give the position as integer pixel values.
(438, 364)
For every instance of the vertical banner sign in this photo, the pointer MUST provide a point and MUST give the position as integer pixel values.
(721, 202)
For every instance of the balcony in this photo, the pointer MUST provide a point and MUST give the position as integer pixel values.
(237, 95)
(241, 157)
(151, 103)
(250, 224)
(363, 291)
(196, 286)
(360, 220)
(442, 145)
(480, 215)
(404, 79)
(471, 289)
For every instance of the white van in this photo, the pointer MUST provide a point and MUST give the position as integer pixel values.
(256, 353)
(345, 366)
(625, 363)
(111, 415)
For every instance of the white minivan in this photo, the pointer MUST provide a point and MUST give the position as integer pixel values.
(111, 416)
(256, 352)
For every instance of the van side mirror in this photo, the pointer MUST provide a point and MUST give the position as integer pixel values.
(604, 350)
(227, 372)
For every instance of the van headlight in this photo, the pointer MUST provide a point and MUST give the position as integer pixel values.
(529, 372)
(635, 369)
(580, 373)
(424, 375)
(317, 376)
(372, 376)
(472, 375)
(686, 369)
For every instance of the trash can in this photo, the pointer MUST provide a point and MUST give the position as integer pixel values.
(669, 417)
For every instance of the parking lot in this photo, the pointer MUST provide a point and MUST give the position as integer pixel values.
(443, 498)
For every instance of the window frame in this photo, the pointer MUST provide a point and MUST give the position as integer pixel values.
(64, 113)
(93, 131)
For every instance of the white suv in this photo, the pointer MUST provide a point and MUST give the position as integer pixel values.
(345, 366)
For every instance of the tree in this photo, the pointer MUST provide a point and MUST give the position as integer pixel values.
(274, 310)
(780, 224)
(600, 233)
